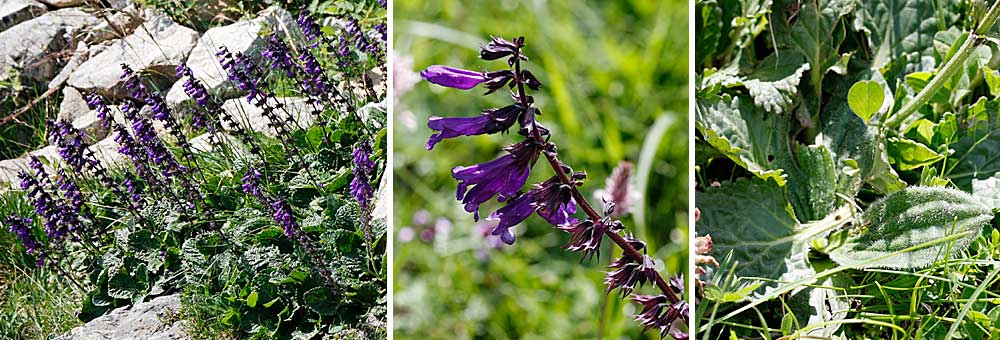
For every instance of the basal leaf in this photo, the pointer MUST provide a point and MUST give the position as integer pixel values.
(866, 98)
(745, 134)
(753, 219)
(909, 218)
(772, 83)
(908, 155)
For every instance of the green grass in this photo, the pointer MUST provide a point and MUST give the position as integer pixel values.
(614, 89)
(36, 303)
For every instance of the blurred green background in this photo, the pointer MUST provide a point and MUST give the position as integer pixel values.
(615, 78)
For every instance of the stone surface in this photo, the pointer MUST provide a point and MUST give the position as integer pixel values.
(80, 55)
(30, 45)
(203, 143)
(13, 12)
(245, 112)
(48, 154)
(117, 23)
(9, 169)
(106, 152)
(243, 37)
(152, 320)
(155, 49)
(63, 3)
(73, 104)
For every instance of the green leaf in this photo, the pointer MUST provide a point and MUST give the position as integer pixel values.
(745, 134)
(866, 98)
(320, 300)
(772, 83)
(908, 155)
(976, 153)
(753, 219)
(252, 299)
(922, 130)
(857, 148)
(909, 218)
(787, 322)
(992, 80)
(741, 293)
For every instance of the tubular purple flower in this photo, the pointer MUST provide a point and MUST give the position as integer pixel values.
(516, 211)
(251, 182)
(554, 201)
(21, 228)
(489, 122)
(283, 216)
(309, 27)
(277, 52)
(453, 77)
(195, 90)
(95, 101)
(502, 177)
(361, 189)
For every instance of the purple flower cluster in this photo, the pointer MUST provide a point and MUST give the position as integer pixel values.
(196, 91)
(555, 199)
(283, 216)
(309, 27)
(281, 58)
(251, 183)
(22, 228)
(243, 73)
(95, 101)
(361, 189)
(70, 144)
(61, 217)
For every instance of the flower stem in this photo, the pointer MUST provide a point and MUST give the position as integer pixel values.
(592, 214)
(949, 69)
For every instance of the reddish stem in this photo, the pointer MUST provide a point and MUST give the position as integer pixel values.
(580, 200)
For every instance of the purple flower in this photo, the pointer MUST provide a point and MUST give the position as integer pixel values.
(554, 200)
(502, 177)
(194, 89)
(309, 27)
(251, 182)
(71, 147)
(313, 80)
(516, 211)
(283, 216)
(94, 100)
(21, 227)
(134, 192)
(277, 52)
(551, 199)
(489, 122)
(361, 189)
(453, 77)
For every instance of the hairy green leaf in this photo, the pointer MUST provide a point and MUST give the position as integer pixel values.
(745, 134)
(909, 218)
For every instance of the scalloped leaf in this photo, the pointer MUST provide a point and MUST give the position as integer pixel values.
(908, 218)
(744, 134)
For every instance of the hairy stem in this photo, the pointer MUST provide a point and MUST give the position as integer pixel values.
(554, 162)
(949, 69)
